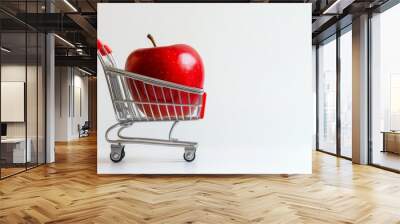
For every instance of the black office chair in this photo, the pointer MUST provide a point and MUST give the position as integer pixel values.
(84, 129)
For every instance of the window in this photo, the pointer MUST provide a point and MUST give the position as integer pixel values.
(346, 94)
(327, 97)
(385, 89)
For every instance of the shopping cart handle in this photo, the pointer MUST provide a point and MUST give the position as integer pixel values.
(203, 106)
(104, 49)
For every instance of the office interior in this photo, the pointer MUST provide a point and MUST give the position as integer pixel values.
(334, 112)
(48, 80)
(25, 68)
(22, 99)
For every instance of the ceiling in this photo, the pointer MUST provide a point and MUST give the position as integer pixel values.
(76, 21)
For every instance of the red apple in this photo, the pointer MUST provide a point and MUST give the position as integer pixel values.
(179, 64)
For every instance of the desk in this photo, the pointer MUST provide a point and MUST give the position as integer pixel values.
(15, 148)
(391, 141)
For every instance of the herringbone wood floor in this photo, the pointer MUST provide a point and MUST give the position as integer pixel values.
(70, 191)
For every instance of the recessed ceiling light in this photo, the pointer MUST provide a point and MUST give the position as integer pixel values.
(5, 50)
(70, 5)
(84, 71)
(337, 7)
(65, 41)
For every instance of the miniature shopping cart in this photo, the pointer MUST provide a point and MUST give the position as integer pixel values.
(138, 98)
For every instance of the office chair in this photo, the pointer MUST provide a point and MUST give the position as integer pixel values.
(84, 129)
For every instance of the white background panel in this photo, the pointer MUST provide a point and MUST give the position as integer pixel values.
(258, 78)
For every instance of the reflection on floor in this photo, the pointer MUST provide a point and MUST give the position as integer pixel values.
(10, 169)
(386, 159)
(70, 191)
(346, 152)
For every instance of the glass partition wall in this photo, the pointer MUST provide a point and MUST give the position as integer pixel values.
(334, 93)
(385, 90)
(13, 86)
(22, 78)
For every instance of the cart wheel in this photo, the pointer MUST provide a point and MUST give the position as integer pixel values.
(117, 153)
(190, 154)
(115, 157)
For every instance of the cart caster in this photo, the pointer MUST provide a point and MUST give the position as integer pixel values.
(190, 154)
(117, 152)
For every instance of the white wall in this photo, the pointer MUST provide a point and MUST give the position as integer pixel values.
(257, 76)
(12, 73)
(13, 101)
(80, 84)
(17, 73)
(68, 82)
(62, 80)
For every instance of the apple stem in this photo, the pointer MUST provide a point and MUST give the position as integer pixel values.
(151, 38)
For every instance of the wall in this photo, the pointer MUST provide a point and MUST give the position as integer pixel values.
(69, 112)
(17, 73)
(80, 111)
(62, 80)
(14, 72)
(258, 79)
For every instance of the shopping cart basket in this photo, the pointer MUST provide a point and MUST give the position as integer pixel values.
(138, 98)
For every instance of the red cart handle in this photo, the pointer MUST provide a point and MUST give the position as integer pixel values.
(104, 49)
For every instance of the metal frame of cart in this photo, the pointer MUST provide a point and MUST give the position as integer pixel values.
(139, 98)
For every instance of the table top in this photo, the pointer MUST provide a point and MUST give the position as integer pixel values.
(391, 132)
(13, 140)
